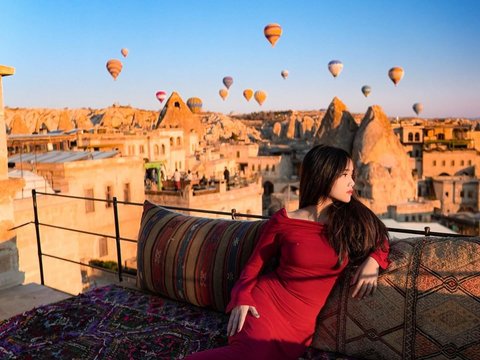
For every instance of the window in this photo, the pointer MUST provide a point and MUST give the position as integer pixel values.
(179, 141)
(171, 141)
(108, 196)
(163, 149)
(452, 163)
(258, 167)
(462, 162)
(443, 162)
(273, 168)
(441, 136)
(253, 167)
(434, 162)
(126, 192)
(89, 204)
(417, 136)
(446, 194)
(238, 154)
(102, 247)
(141, 149)
(410, 136)
(406, 218)
(462, 194)
(469, 162)
(267, 168)
(156, 150)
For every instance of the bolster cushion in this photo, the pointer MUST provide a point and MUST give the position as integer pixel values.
(427, 305)
(192, 259)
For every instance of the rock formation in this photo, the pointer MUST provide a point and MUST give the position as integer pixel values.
(64, 123)
(176, 114)
(384, 174)
(338, 127)
(18, 126)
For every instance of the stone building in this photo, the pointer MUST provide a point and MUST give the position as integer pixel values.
(101, 177)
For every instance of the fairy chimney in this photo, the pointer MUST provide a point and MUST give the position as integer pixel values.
(338, 127)
(384, 173)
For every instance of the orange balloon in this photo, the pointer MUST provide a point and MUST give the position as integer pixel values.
(247, 94)
(272, 33)
(124, 52)
(396, 74)
(260, 96)
(223, 94)
(114, 67)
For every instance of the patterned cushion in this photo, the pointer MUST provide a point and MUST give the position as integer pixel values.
(427, 306)
(192, 259)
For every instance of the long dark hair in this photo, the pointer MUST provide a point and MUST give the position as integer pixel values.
(353, 230)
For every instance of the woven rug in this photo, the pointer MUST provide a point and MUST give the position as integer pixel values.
(113, 322)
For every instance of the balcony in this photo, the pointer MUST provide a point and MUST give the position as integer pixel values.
(28, 296)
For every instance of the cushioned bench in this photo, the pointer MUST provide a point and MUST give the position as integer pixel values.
(427, 305)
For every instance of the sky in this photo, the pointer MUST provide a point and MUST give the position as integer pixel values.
(59, 50)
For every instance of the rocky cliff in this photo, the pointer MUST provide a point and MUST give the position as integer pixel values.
(338, 127)
(384, 174)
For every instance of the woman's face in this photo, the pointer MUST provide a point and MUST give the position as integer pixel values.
(342, 188)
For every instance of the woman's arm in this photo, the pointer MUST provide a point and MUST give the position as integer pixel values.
(266, 247)
(365, 278)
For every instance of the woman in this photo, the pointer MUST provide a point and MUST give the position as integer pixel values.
(273, 315)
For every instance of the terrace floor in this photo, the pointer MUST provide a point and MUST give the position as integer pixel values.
(20, 298)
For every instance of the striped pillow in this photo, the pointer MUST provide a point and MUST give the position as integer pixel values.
(192, 259)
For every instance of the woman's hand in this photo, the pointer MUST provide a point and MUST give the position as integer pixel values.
(237, 318)
(365, 278)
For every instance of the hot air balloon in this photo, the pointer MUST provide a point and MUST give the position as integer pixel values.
(114, 67)
(161, 95)
(335, 67)
(228, 81)
(395, 74)
(247, 94)
(284, 74)
(194, 104)
(366, 90)
(272, 33)
(260, 96)
(418, 108)
(223, 93)
(124, 52)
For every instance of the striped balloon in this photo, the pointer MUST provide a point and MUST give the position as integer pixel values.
(195, 104)
(114, 67)
(228, 81)
(335, 67)
(223, 93)
(247, 94)
(161, 95)
(260, 96)
(272, 32)
(366, 90)
(418, 108)
(395, 74)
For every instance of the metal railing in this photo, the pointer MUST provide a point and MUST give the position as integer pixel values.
(118, 239)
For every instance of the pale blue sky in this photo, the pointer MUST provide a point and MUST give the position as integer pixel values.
(59, 50)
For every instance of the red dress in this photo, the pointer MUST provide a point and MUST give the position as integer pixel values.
(288, 299)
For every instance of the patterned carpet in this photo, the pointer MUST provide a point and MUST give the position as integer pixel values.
(116, 323)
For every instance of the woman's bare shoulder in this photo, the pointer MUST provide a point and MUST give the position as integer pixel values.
(300, 214)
